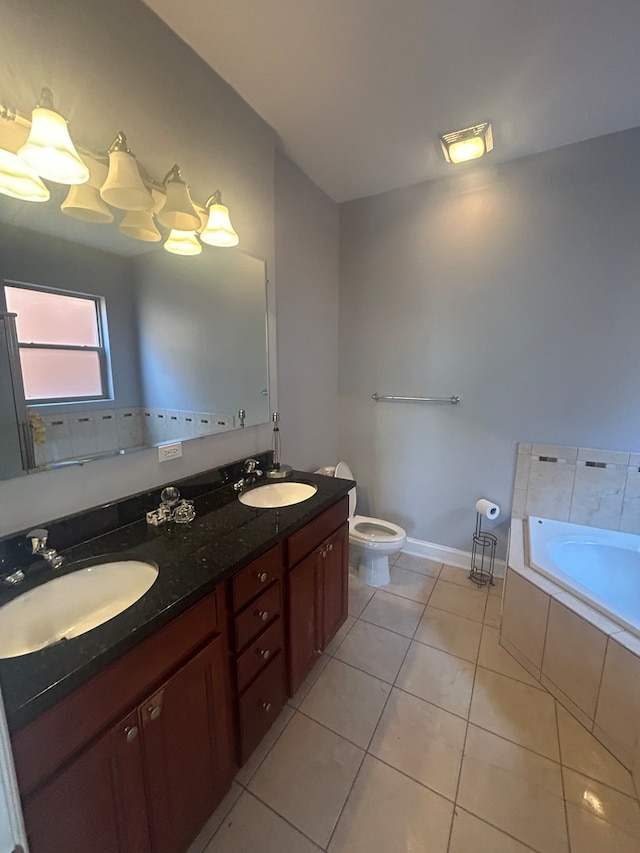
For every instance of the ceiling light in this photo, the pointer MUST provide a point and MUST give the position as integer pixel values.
(219, 231)
(124, 188)
(19, 181)
(178, 212)
(467, 144)
(84, 202)
(183, 243)
(139, 224)
(49, 150)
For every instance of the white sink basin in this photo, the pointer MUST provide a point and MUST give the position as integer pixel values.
(278, 494)
(71, 605)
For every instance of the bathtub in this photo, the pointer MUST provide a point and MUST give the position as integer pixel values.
(600, 567)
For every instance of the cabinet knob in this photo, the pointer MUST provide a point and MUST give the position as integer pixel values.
(262, 577)
(265, 654)
(154, 711)
(323, 553)
(331, 547)
(263, 614)
(131, 733)
(266, 707)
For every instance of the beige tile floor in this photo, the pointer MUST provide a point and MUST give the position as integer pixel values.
(418, 732)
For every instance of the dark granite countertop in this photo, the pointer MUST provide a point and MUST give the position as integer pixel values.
(225, 536)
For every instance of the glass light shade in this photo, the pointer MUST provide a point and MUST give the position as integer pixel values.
(178, 212)
(139, 225)
(49, 150)
(19, 181)
(466, 149)
(84, 202)
(219, 231)
(124, 188)
(183, 243)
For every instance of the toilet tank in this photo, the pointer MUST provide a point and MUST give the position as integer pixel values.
(344, 473)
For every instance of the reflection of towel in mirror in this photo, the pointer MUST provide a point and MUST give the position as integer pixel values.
(38, 428)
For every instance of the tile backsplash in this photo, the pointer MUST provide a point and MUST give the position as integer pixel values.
(74, 434)
(600, 488)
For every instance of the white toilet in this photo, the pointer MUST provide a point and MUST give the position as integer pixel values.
(374, 536)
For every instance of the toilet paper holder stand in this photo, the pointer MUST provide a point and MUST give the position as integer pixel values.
(483, 555)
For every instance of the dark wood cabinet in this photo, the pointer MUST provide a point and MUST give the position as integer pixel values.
(256, 602)
(97, 802)
(333, 584)
(149, 782)
(187, 749)
(317, 589)
(304, 638)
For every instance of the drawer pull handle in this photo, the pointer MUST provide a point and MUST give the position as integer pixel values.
(154, 711)
(265, 654)
(262, 577)
(131, 733)
(263, 614)
(266, 706)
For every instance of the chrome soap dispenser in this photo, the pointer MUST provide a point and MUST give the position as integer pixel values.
(279, 471)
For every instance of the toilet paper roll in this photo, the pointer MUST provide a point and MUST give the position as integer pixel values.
(487, 508)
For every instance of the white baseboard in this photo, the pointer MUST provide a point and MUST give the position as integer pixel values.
(445, 554)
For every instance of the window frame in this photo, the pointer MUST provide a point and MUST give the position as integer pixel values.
(101, 349)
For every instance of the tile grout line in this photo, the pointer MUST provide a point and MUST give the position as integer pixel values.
(464, 742)
(366, 752)
(564, 792)
(286, 820)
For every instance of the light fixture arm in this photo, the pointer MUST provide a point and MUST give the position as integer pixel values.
(216, 198)
(174, 176)
(120, 144)
(45, 101)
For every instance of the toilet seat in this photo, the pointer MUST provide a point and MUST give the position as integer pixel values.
(374, 532)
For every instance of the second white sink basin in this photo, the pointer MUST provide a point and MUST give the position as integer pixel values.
(278, 494)
(73, 604)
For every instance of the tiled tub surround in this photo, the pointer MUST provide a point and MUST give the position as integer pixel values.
(73, 434)
(599, 488)
(589, 663)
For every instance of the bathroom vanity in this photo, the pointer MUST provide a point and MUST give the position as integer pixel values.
(126, 738)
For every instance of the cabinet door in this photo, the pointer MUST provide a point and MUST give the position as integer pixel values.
(304, 647)
(188, 749)
(97, 803)
(333, 584)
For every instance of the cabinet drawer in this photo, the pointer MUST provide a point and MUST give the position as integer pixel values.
(304, 541)
(254, 618)
(256, 577)
(260, 705)
(259, 653)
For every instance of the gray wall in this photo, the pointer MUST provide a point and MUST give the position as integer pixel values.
(515, 287)
(307, 299)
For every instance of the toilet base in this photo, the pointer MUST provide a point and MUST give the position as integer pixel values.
(374, 568)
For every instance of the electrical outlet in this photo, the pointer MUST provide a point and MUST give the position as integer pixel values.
(169, 451)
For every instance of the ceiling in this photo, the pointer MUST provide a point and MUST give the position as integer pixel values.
(358, 90)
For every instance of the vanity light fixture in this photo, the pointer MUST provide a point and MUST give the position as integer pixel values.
(178, 212)
(124, 188)
(219, 231)
(139, 224)
(49, 150)
(468, 144)
(19, 181)
(83, 201)
(183, 243)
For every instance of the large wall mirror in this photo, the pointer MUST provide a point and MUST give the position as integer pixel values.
(185, 340)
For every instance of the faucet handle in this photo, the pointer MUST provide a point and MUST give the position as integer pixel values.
(38, 538)
(250, 466)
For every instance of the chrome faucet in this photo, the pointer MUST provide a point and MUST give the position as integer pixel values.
(38, 540)
(251, 471)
